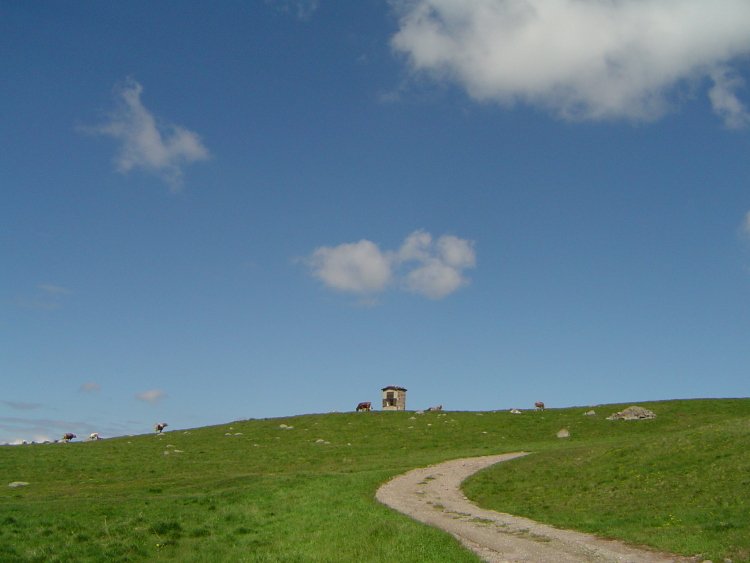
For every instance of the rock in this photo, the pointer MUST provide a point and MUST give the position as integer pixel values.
(590, 413)
(563, 433)
(18, 484)
(632, 413)
(515, 411)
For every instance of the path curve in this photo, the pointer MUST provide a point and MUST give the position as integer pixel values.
(433, 495)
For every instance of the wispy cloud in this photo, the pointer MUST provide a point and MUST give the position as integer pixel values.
(152, 397)
(745, 226)
(21, 406)
(89, 387)
(432, 268)
(54, 289)
(724, 99)
(36, 304)
(581, 59)
(160, 148)
(302, 9)
(15, 430)
(46, 299)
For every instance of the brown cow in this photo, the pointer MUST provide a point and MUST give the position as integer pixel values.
(539, 406)
(67, 437)
(364, 407)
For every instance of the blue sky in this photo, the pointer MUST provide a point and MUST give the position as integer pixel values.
(260, 209)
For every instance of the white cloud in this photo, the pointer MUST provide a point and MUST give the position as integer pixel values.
(358, 267)
(89, 387)
(421, 265)
(152, 397)
(163, 149)
(441, 263)
(581, 59)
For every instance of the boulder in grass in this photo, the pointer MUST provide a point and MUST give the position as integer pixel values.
(18, 484)
(632, 413)
(564, 433)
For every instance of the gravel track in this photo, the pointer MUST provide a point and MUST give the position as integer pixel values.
(433, 495)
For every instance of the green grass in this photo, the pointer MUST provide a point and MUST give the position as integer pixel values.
(680, 482)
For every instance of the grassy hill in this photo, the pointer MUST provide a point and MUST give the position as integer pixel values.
(253, 491)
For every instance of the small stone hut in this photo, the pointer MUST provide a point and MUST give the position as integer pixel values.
(394, 398)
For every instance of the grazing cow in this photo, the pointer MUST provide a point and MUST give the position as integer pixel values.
(94, 436)
(539, 406)
(67, 437)
(364, 407)
(159, 426)
(437, 408)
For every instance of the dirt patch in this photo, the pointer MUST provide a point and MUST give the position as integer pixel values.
(433, 495)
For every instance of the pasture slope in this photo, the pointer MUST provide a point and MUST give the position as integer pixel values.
(302, 489)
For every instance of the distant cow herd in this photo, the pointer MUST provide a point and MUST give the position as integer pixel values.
(364, 407)
(538, 406)
(68, 436)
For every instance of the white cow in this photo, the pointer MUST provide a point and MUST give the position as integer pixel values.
(94, 436)
(159, 426)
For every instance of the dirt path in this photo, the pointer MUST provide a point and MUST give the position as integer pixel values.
(432, 495)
